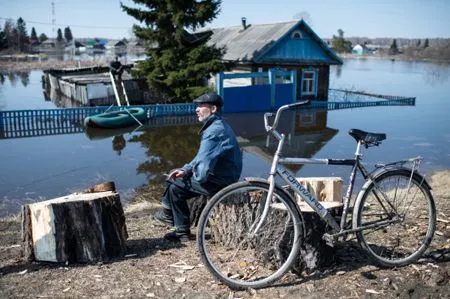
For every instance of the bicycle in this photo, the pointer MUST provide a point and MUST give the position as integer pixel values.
(249, 233)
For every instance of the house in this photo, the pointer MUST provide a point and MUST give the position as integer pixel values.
(289, 45)
(120, 47)
(361, 50)
(136, 46)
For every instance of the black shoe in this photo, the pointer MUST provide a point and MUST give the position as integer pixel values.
(163, 217)
(179, 236)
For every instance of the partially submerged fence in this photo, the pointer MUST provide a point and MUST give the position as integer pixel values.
(30, 123)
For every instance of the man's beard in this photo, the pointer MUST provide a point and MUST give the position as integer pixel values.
(203, 118)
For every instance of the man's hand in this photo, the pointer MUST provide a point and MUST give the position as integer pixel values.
(177, 173)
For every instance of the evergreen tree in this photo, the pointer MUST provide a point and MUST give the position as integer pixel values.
(178, 61)
(22, 35)
(3, 43)
(418, 43)
(393, 49)
(33, 36)
(68, 34)
(59, 36)
(43, 37)
(10, 33)
(340, 44)
(426, 43)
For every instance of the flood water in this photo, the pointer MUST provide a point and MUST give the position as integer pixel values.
(38, 168)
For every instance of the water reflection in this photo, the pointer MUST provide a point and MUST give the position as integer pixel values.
(436, 74)
(13, 77)
(118, 144)
(306, 133)
(166, 148)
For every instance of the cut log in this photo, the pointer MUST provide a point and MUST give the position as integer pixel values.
(323, 188)
(230, 220)
(196, 206)
(87, 227)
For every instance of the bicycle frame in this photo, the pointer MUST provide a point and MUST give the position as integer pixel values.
(338, 229)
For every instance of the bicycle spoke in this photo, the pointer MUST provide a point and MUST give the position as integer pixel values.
(237, 255)
(403, 241)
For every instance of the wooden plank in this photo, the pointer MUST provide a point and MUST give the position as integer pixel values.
(323, 188)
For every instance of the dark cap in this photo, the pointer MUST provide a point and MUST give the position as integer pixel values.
(210, 98)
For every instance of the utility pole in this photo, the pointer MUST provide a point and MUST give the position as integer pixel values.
(53, 20)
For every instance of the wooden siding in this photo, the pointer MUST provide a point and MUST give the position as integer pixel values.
(304, 50)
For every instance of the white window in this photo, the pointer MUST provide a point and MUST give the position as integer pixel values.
(297, 34)
(309, 82)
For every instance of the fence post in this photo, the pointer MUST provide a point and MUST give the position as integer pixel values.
(294, 85)
(2, 131)
(272, 83)
(219, 84)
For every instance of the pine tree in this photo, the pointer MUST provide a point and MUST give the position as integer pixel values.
(426, 43)
(418, 43)
(10, 34)
(178, 61)
(68, 34)
(33, 35)
(393, 49)
(22, 35)
(3, 41)
(59, 36)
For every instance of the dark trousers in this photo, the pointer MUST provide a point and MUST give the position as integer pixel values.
(175, 197)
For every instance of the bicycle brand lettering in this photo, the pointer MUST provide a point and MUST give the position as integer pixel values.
(289, 177)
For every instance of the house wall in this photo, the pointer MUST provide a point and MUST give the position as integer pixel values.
(323, 78)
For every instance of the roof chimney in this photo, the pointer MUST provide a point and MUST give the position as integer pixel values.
(244, 22)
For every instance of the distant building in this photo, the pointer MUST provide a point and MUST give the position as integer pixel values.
(361, 50)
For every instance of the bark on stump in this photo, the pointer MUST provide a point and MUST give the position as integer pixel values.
(80, 227)
(196, 206)
(314, 252)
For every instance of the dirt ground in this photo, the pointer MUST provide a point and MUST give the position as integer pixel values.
(155, 268)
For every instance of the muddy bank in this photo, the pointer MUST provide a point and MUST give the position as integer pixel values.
(152, 268)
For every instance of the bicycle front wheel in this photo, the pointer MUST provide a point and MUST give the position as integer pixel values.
(400, 215)
(233, 250)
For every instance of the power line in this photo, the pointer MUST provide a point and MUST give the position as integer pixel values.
(68, 25)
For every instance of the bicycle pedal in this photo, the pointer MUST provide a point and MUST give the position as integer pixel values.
(330, 240)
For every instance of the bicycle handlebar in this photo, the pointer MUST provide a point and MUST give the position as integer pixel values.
(277, 115)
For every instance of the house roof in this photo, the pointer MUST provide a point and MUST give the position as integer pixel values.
(250, 44)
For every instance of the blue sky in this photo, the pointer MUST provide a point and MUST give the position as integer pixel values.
(369, 18)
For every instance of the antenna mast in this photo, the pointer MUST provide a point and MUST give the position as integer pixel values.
(53, 20)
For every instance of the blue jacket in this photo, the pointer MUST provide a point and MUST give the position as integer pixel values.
(219, 158)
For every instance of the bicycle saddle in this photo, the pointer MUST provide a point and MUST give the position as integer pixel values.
(367, 138)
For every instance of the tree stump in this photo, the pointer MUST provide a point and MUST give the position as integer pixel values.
(80, 227)
(239, 213)
(196, 206)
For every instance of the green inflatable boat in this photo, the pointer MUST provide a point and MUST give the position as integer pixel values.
(116, 119)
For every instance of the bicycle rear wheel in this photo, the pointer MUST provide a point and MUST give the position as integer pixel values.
(230, 249)
(401, 210)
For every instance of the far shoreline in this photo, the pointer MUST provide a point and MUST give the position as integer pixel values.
(19, 62)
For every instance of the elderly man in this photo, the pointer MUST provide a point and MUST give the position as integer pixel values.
(217, 164)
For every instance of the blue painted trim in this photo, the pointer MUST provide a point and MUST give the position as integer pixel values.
(316, 83)
(329, 52)
(273, 87)
(245, 75)
(294, 85)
